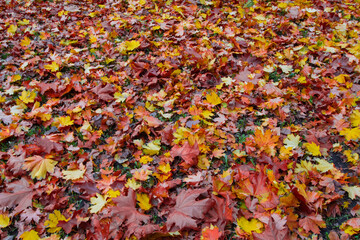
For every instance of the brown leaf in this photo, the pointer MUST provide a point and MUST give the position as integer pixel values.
(104, 93)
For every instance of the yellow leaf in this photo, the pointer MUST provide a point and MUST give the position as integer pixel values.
(142, 2)
(350, 133)
(39, 166)
(112, 194)
(25, 42)
(323, 165)
(4, 220)
(131, 45)
(12, 29)
(73, 174)
(146, 159)
(30, 235)
(292, 141)
(27, 96)
(355, 118)
(53, 67)
(23, 22)
(132, 183)
(92, 38)
(15, 78)
(152, 147)
(144, 201)
(53, 221)
(250, 226)
(98, 203)
(313, 149)
(213, 98)
(352, 191)
(65, 121)
(165, 168)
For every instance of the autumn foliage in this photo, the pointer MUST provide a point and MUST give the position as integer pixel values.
(194, 119)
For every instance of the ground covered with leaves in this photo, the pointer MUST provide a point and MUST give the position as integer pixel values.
(151, 119)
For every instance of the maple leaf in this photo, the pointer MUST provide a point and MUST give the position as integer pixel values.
(4, 220)
(146, 159)
(312, 223)
(353, 191)
(126, 209)
(132, 45)
(186, 152)
(53, 67)
(12, 29)
(313, 149)
(144, 201)
(292, 141)
(104, 93)
(39, 166)
(274, 230)
(27, 96)
(53, 221)
(355, 118)
(350, 133)
(98, 202)
(73, 174)
(213, 98)
(152, 148)
(187, 209)
(210, 233)
(30, 235)
(253, 225)
(266, 141)
(323, 165)
(351, 226)
(65, 121)
(25, 42)
(21, 196)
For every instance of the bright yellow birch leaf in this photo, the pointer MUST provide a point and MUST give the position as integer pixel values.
(144, 201)
(39, 166)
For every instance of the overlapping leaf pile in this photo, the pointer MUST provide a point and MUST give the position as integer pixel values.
(151, 119)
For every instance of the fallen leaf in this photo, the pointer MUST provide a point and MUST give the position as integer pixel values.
(39, 166)
(98, 202)
(353, 191)
(144, 201)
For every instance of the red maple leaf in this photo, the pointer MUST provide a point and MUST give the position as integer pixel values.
(187, 152)
(20, 196)
(187, 210)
